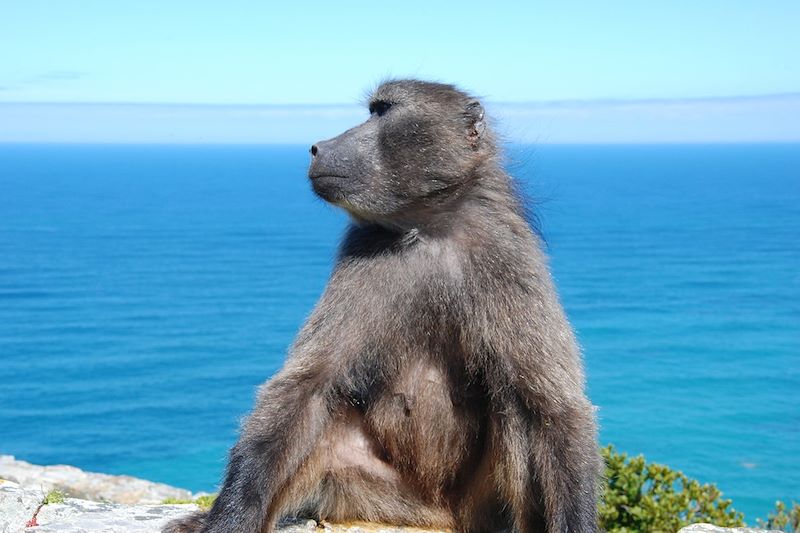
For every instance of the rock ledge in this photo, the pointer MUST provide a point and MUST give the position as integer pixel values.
(710, 528)
(21, 511)
(131, 505)
(76, 483)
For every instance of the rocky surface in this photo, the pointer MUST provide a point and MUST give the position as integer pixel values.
(76, 483)
(17, 506)
(109, 504)
(22, 511)
(710, 528)
(125, 504)
(78, 516)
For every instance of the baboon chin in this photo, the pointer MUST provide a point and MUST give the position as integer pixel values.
(437, 383)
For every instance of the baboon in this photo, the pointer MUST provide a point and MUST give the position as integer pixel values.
(437, 382)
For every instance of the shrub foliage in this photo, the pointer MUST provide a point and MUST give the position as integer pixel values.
(650, 497)
(783, 519)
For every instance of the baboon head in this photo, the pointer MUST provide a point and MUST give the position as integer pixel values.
(418, 150)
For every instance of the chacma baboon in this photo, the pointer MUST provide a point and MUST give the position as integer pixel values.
(437, 383)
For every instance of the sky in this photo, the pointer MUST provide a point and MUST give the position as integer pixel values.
(207, 63)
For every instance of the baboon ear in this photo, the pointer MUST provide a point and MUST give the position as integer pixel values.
(474, 111)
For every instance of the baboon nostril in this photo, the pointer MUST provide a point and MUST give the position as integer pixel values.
(314, 150)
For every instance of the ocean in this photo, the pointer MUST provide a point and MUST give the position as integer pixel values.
(146, 291)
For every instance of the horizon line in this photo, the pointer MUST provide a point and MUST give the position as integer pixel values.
(553, 102)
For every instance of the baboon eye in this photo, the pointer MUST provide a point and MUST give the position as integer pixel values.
(379, 108)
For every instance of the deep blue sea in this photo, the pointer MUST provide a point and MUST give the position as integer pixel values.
(145, 291)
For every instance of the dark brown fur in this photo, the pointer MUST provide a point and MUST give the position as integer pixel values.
(437, 382)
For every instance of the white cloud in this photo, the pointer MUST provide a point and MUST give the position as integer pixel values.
(744, 119)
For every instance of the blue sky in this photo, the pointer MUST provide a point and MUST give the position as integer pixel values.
(304, 56)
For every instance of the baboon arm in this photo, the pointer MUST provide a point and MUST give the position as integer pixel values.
(564, 458)
(281, 432)
(567, 466)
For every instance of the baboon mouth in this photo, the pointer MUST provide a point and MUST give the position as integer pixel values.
(329, 187)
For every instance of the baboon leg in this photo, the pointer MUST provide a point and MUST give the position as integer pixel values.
(352, 495)
(345, 479)
(477, 507)
(276, 440)
(192, 523)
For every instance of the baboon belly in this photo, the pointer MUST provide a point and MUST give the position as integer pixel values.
(427, 426)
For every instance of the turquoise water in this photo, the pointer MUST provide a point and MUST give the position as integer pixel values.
(145, 291)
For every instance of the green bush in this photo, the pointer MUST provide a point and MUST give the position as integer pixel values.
(782, 519)
(647, 497)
